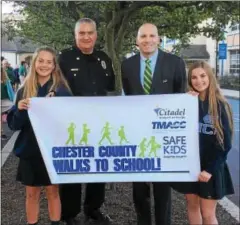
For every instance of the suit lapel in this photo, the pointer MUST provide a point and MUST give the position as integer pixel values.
(157, 75)
(136, 74)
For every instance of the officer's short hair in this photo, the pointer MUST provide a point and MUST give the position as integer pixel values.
(85, 20)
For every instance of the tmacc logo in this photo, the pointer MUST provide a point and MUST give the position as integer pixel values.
(156, 125)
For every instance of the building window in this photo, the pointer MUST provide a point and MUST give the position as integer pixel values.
(235, 27)
(234, 62)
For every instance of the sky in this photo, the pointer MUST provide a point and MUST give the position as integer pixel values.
(7, 7)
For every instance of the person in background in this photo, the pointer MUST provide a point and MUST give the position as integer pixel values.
(7, 96)
(7, 67)
(44, 79)
(215, 136)
(22, 71)
(17, 79)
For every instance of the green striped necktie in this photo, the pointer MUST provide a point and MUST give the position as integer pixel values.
(147, 81)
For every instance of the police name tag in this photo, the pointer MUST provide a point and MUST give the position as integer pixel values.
(74, 69)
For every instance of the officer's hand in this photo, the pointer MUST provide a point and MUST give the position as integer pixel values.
(24, 104)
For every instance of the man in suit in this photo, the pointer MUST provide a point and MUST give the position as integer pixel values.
(152, 71)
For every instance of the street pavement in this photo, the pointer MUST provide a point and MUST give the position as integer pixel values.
(233, 156)
(118, 201)
(8, 133)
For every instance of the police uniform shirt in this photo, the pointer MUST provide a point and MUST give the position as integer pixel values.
(87, 75)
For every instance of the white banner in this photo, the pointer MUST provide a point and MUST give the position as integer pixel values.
(118, 138)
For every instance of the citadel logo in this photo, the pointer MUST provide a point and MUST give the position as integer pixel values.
(170, 113)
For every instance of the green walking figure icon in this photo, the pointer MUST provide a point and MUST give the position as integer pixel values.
(154, 146)
(71, 137)
(106, 134)
(122, 135)
(84, 138)
(143, 147)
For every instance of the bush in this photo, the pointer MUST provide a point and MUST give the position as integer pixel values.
(229, 82)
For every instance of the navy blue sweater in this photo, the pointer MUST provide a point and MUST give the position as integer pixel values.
(212, 154)
(26, 145)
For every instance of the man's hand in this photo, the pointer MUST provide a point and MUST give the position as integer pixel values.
(204, 176)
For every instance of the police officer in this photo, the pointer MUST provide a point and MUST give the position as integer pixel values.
(89, 73)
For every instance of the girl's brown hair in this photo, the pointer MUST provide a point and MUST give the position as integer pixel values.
(214, 98)
(30, 85)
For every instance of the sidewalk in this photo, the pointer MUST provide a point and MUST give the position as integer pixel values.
(231, 93)
(118, 204)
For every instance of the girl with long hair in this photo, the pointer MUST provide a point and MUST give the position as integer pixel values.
(44, 79)
(215, 137)
(7, 95)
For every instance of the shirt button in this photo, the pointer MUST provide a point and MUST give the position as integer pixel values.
(74, 74)
(95, 93)
(94, 82)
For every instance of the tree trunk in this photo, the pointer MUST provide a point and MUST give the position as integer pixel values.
(110, 49)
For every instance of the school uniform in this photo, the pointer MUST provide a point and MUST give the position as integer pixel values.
(31, 169)
(212, 157)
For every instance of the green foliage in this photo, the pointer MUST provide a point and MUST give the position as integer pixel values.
(52, 22)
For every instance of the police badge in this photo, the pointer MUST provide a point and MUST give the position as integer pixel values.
(104, 66)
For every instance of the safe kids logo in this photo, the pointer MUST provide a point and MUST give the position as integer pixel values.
(174, 146)
(111, 155)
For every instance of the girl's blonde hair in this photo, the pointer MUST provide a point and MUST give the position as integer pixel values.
(214, 98)
(30, 85)
(4, 76)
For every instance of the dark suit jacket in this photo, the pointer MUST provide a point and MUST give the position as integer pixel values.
(169, 75)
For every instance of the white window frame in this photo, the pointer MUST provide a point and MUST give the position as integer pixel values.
(234, 63)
